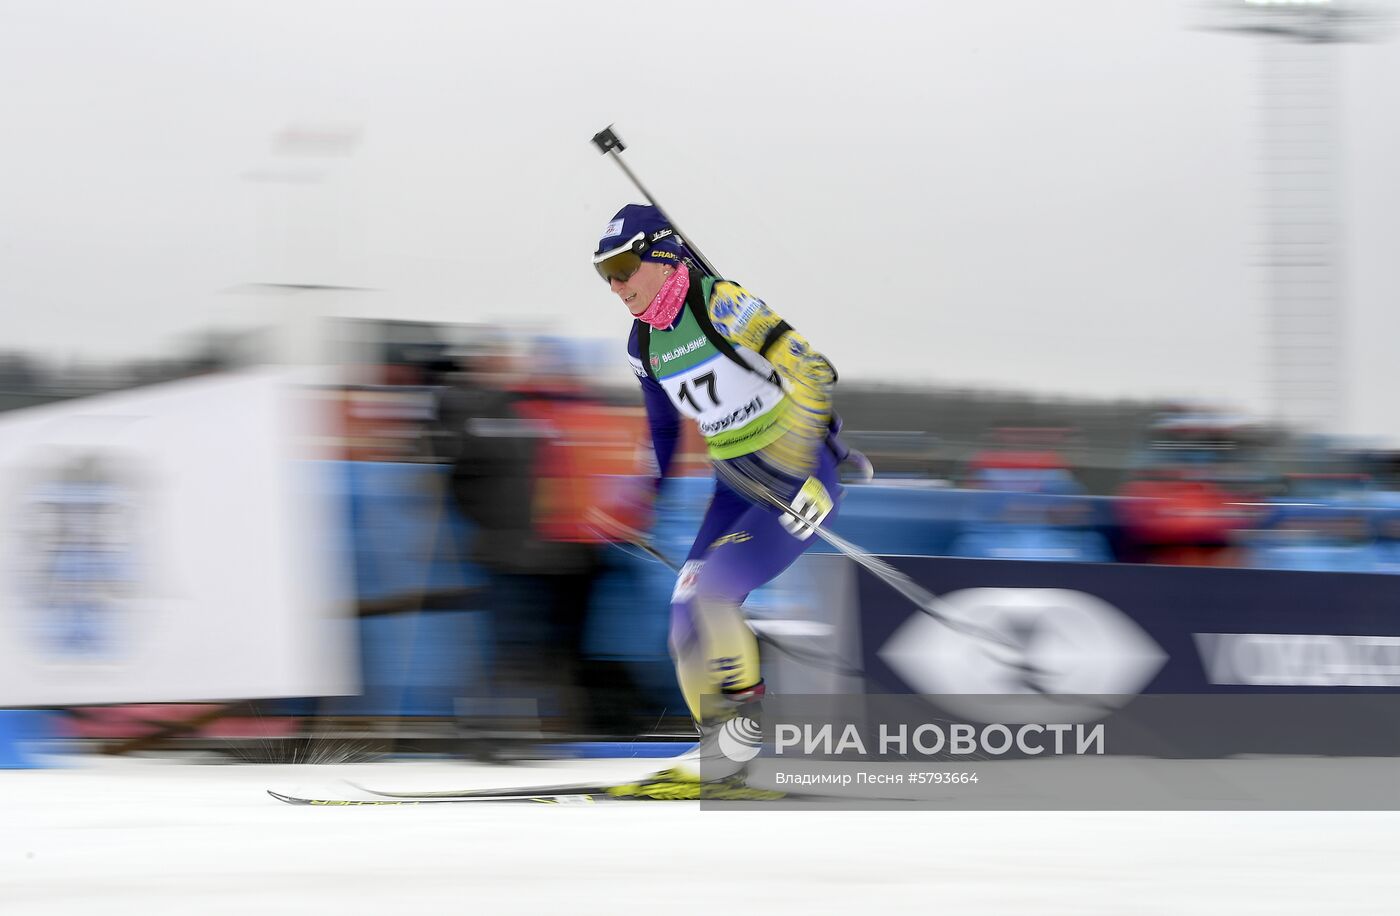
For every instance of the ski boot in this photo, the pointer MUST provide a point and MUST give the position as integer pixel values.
(715, 768)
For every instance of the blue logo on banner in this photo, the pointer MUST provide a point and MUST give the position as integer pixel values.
(79, 565)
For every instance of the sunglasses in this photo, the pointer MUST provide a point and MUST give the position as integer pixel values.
(622, 262)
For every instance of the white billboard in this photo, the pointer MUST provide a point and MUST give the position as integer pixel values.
(170, 543)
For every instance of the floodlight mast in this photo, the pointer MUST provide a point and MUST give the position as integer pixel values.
(1300, 206)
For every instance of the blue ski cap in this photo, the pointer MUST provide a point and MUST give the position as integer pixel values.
(643, 220)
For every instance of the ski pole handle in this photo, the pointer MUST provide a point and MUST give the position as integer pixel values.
(608, 142)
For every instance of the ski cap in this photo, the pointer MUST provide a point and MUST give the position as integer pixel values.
(638, 232)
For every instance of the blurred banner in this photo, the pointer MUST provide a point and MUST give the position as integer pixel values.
(166, 544)
(1120, 630)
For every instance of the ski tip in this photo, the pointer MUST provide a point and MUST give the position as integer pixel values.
(286, 798)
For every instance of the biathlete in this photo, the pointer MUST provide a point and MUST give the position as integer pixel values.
(707, 349)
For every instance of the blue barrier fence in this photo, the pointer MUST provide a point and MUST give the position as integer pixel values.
(22, 733)
(405, 538)
(1218, 630)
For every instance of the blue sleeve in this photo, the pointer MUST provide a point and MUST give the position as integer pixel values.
(662, 416)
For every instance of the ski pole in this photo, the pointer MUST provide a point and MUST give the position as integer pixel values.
(920, 597)
(610, 528)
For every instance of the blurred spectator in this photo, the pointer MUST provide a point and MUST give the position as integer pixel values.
(1173, 519)
(1031, 527)
(1023, 460)
(1193, 489)
(583, 476)
(1387, 547)
(520, 448)
(1340, 488)
(1318, 540)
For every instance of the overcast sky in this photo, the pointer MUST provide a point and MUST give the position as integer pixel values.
(1021, 194)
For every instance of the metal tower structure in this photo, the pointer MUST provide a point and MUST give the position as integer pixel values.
(1301, 215)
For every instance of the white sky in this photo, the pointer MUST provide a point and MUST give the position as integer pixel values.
(1059, 197)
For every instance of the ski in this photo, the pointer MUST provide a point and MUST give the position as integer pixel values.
(552, 795)
(560, 799)
(576, 788)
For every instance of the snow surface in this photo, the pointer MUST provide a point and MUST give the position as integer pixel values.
(154, 836)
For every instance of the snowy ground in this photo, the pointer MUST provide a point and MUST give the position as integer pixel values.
(154, 836)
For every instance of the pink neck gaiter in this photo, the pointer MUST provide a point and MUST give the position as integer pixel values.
(667, 304)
